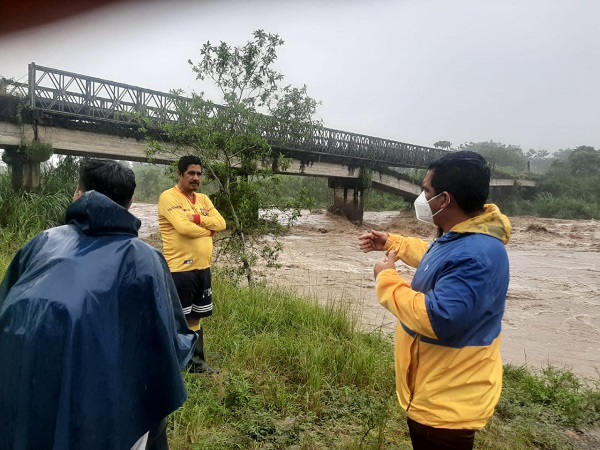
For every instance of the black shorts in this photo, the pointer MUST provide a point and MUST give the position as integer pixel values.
(195, 292)
(424, 437)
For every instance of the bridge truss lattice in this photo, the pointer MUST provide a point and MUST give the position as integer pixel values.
(52, 92)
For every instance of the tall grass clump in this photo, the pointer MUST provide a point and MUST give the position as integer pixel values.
(25, 214)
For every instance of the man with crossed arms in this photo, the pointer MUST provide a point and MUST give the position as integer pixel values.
(188, 221)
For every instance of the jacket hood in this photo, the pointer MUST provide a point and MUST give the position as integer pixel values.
(492, 222)
(95, 213)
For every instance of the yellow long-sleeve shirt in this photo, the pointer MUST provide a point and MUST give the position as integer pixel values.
(187, 245)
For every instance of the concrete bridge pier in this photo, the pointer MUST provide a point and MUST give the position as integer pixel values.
(348, 197)
(25, 169)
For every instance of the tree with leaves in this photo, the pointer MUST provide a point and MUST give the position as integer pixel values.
(503, 156)
(446, 145)
(585, 161)
(235, 138)
(571, 187)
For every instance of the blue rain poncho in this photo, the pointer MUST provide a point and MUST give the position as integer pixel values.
(92, 335)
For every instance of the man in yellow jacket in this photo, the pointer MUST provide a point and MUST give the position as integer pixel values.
(447, 345)
(188, 221)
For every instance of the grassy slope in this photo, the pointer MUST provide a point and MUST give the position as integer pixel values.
(299, 376)
(293, 373)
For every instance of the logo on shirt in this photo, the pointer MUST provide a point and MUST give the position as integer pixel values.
(188, 261)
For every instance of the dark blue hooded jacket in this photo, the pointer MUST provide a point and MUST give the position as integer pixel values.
(92, 335)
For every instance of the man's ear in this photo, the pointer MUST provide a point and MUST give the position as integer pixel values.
(78, 193)
(449, 200)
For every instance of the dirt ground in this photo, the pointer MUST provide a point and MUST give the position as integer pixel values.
(553, 305)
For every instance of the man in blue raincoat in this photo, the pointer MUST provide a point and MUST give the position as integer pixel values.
(92, 335)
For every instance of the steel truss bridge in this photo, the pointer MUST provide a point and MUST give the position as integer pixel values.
(57, 97)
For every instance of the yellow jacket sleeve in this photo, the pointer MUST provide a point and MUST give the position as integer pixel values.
(409, 250)
(213, 220)
(409, 306)
(171, 210)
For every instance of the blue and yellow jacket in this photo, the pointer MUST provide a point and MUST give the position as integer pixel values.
(447, 344)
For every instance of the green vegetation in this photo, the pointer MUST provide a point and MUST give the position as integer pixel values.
(296, 373)
(279, 191)
(318, 192)
(25, 214)
(36, 151)
(231, 139)
(569, 189)
(151, 180)
(505, 158)
(568, 181)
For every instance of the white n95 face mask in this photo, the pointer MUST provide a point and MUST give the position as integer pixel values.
(423, 210)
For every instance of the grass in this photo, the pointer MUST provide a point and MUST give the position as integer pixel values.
(549, 408)
(295, 373)
(25, 214)
(300, 376)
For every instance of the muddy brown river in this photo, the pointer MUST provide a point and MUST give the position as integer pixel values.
(553, 304)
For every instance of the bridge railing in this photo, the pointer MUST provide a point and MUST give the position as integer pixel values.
(342, 143)
(60, 92)
(11, 87)
(57, 92)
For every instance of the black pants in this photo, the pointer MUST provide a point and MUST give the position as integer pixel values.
(157, 437)
(424, 437)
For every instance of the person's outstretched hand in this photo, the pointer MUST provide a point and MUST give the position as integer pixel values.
(387, 262)
(373, 240)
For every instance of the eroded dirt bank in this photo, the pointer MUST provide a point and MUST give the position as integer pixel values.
(553, 305)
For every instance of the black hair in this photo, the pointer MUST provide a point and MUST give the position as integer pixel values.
(108, 177)
(465, 175)
(186, 161)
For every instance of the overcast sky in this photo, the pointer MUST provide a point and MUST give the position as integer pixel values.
(521, 72)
